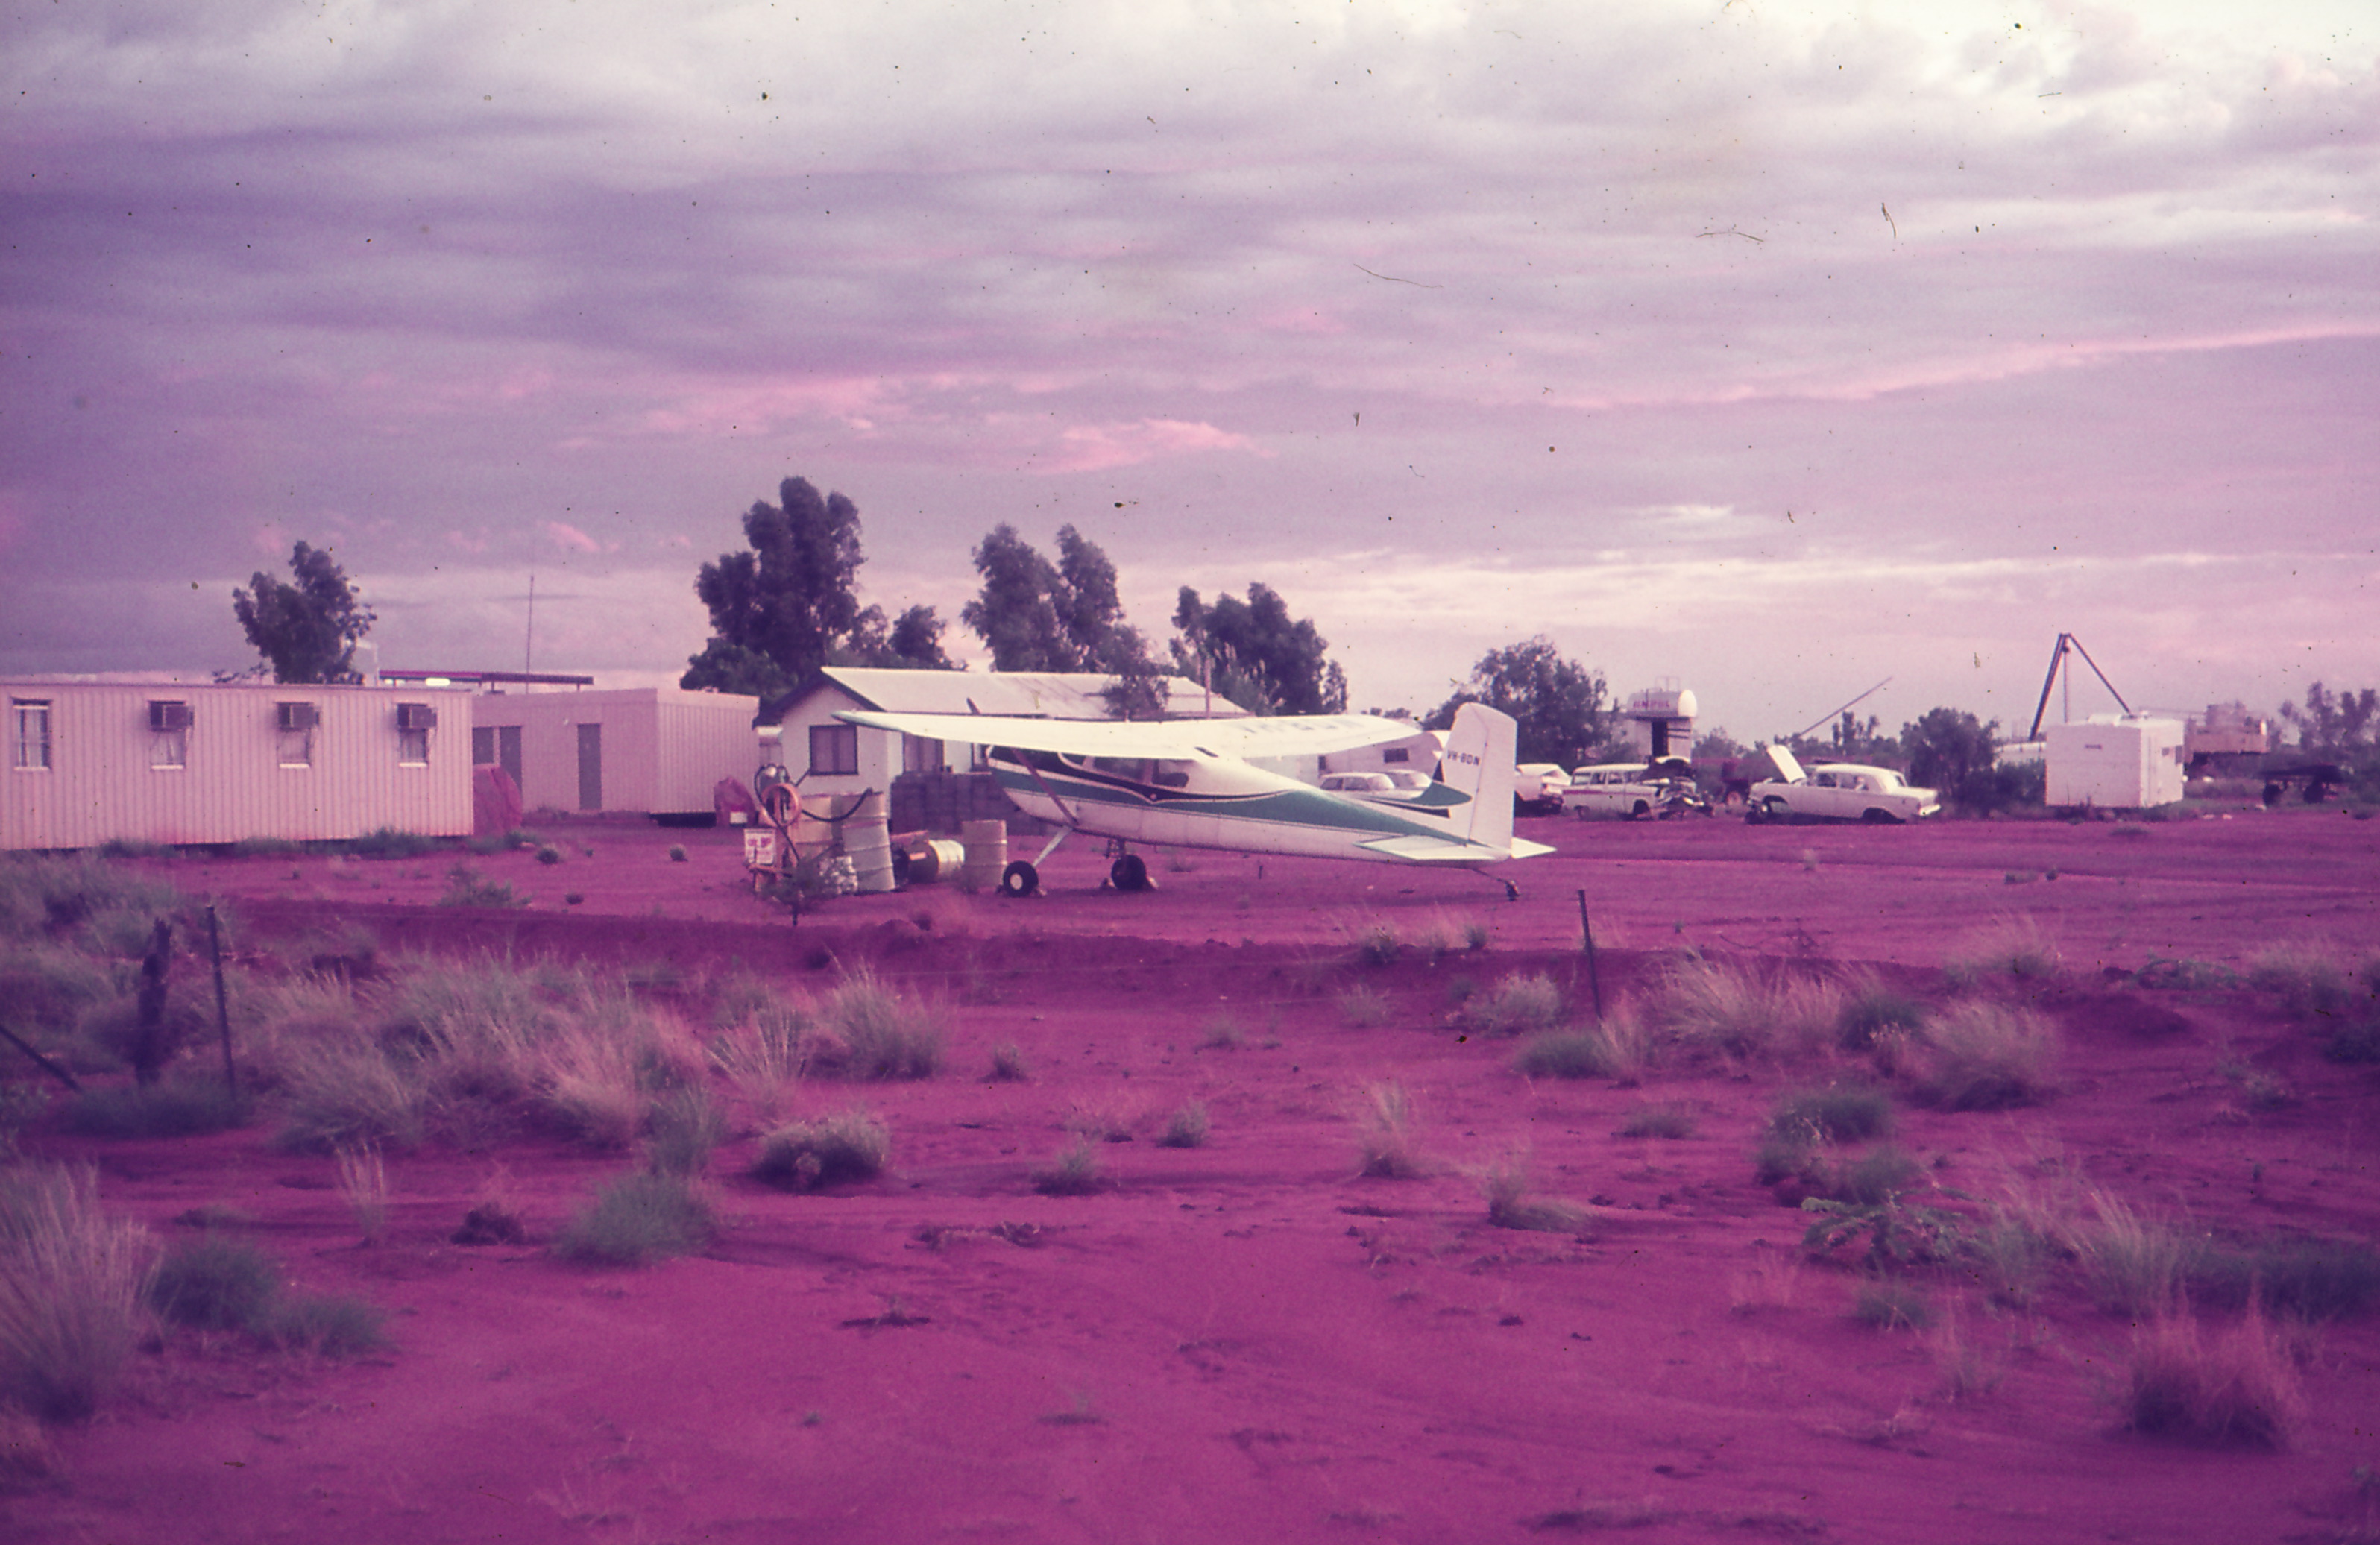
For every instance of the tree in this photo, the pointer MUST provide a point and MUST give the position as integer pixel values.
(1251, 653)
(1557, 702)
(308, 630)
(790, 605)
(1946, 745)
(1034, 616)
(2329, 724)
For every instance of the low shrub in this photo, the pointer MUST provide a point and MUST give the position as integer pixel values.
(325, 1325)
(2012, 947)
(267, 847)
(1835, 1112)
(1657, 1121)
(1076, 1172)
(1712, 1008)
(1516, 1004)
(2308, 980)
(686, 1126)
(677, 852)
(466, 887)
(1987, 1057)
(387, 842)
(1506, 1184)
(548, 854)
(884, 1034)
(1008, 1066)
(2135, 1264)
(1221, 1033)
(1364, 1008)
(1187, 1128)
(1875, 1176)
(1885, 1304)
(1389, 1144)
(2185, 975)
(1563, 1055)
(1873, 1012)
(1376, 943)
(2297, 1279)
(214, 1282)
(70, 1291)
(2238, 1387)
(180, 1107)
(803, 1155)
(639, 1219)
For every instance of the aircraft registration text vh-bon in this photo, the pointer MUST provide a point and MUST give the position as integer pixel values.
(1189, 783)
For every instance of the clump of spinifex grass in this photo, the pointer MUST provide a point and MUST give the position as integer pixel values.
(804, 1155)
(1509, 1205)
(1988, 1056)
(1187, 1128)
(1711, 1008)
(363, 1181)
(1076, 1172)
(2014, 946)
(884, 1033)
(1389, 1142)
(216, 1283)
(1517, 1004)
(70, 1279)
(637, 1219)
(1619, 1049)
(2239, 1386)
(2308, 979)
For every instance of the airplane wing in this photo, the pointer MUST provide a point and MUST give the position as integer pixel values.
(1311, 735)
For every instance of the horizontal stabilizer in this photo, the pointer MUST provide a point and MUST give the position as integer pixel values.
(1442, 850)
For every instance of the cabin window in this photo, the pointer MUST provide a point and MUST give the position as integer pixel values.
(28, 733)
(1397, 754)
(414, 723)
(1173, 775)
(293, 730)
(169, 734)
(834, 748)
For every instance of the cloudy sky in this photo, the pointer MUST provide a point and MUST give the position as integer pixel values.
(1778, 349)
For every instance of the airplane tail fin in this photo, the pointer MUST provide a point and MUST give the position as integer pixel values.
(1478, 763)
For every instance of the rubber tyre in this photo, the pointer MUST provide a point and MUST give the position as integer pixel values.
(1775, 810)
(1641, 811)
(1020, 879)
(1879, 818)
(1129, 874)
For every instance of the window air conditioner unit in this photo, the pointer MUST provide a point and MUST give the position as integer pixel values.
(416, 716)
(297, 716)
(166, 717)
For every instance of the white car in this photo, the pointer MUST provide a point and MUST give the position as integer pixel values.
(1394, 784)
(1620, 788)
(1837, 791)
(1539, 788)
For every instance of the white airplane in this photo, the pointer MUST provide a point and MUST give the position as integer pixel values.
(1187, 782)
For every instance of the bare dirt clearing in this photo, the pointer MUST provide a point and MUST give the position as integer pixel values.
(1248, 1339)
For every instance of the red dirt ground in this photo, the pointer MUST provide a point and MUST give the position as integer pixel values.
(1247, 1341)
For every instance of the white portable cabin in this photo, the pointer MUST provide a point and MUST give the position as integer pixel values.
(2127, 763)
(650, 750)
(196, 763)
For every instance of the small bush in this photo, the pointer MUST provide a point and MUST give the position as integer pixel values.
(214, 1282)
(180, 1107)
(2009, 1258)
(2239, 1387)
(1563, 1055)
(464, 887)
(1515, 1004)
(2299, 1279)
(1872, 1012)
(387, 842)
(1837, 1112)
(548, 854)
(677, 852)
(1390, 1145)
(2135, 1264)
(637, 1220)
(1509, 1205)
(884, 1034)
(2012, 947)
(1187, 1128)
(363, 1181)
(1885, 1305)
(266, 847)
(1657, 1121)
(1711, 1008)
(2185, 976)
(70, 1288)
(1221, 1033)
(325, 1325)
(2308, 980)
(1376, 943)
(803, 1155)
(686, 1126)
(1365, 1008)
(1075, 1173)
(1985, 1056)
(1008, 1066)
(1875, 1177)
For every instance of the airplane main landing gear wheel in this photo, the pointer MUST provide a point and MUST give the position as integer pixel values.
(1019, 879)
(1129, 874)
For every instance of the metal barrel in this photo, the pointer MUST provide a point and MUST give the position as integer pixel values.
(986, 846)
(869, 844)
(932, 859)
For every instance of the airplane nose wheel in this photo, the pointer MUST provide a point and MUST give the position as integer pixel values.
(1019, 879)
(1129, 874)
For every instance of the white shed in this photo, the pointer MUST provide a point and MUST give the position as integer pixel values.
(2123, 763)
(182, 762)
(654, 751)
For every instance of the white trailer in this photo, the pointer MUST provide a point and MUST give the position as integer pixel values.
(2111, 762)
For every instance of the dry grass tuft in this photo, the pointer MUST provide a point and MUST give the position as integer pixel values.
(804, 1155)
(1517, 1004)
(1076, 1172)
(763, 1054)
(1364, 1008)
(2014, 946)
(1506, 1184)
(1715, 1008)
(2239, 1387)
(70, 1288)
(363, 1181)
(1188, 1127)
(884, 1034)
(1389, 1145)
(1987, 1057)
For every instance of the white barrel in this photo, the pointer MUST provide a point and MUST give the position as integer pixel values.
(868, 842)
(986, 846)
(936, 859)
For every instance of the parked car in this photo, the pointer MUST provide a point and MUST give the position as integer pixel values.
(1539, 788)
(1633, 790)
(1396, 783)
(1837, 791)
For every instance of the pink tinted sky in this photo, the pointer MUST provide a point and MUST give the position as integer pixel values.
(1776, 349)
